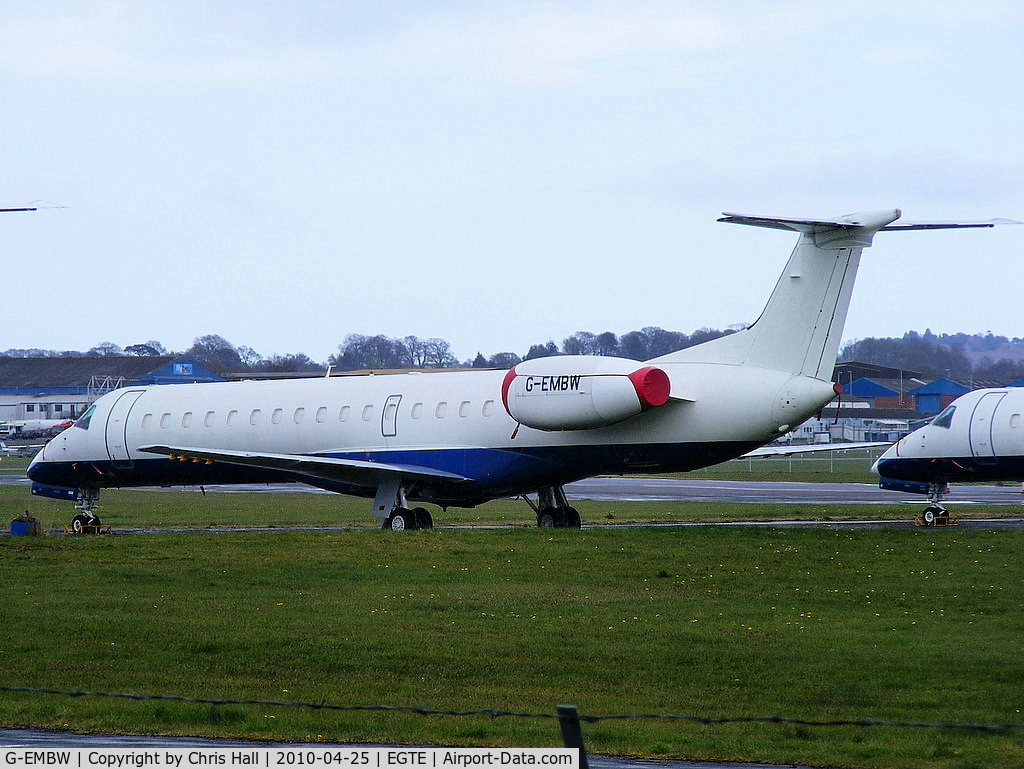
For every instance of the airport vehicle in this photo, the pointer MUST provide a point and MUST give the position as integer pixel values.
(978, 438)
(33, 428)
(463, 438)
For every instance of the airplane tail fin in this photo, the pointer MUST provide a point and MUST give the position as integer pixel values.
(801, 327)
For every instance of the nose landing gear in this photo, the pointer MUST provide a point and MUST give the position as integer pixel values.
(935, 514)
(86, 521)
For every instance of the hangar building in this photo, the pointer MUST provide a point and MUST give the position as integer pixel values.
(63, 388)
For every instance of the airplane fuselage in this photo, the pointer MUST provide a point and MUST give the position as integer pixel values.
(452, 422)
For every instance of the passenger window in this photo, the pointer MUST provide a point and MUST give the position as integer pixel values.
(343, 414)
(186, 419)
(299, 415)
(254, 417)
(208, 420)
(367, 413)
(464, 409)
(1015, 420)
(147, 421)
(945, 418)
(417, 410)
(232, 417)
(441, 410)
(321, 414)
(165, 420)
(275, 417)
(488, 408)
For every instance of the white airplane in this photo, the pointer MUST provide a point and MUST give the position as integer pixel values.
(20, 450)
(978, 438)
(463, 438)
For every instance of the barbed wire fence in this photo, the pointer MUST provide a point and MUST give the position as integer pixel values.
(569, 719)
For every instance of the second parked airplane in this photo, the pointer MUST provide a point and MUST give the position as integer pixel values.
(978, 438)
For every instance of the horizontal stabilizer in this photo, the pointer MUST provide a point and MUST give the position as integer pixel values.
(352, 471)
(850, 231)
(879, 221)
(948, 225)
(874, 220)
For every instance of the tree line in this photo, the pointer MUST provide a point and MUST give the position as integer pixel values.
(360, 353)
(980, 358)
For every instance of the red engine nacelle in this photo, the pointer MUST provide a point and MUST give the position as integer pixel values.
(579, 392)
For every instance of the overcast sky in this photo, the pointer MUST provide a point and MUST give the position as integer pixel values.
(497, 174)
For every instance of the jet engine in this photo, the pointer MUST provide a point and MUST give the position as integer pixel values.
(579, 392)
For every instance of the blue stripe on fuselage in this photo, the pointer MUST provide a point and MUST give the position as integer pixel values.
(492, 473)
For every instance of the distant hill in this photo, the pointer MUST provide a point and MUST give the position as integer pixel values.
(963, 357)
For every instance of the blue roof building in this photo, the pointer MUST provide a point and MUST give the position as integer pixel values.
(868, 388)
(935, 396)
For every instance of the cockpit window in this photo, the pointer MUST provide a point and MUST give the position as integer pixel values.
(83, 421)
(945, 418)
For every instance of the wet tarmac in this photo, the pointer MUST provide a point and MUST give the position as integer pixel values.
(635, 488)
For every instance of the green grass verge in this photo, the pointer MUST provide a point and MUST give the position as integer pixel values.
(907, 625)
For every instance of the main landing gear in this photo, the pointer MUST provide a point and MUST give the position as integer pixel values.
(393, 508)
(553, 509)
(402, 519)
(391, 505)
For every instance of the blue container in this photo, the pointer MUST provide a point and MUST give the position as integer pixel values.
(25, 528)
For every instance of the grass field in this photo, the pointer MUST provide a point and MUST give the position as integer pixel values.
(909, 625)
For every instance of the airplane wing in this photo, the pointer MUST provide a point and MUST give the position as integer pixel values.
(354, 471)
(783, 451)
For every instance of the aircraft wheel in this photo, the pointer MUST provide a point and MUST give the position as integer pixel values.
(422, 517)
(85, 524)
(401, 520)
(559, 518)
(929, 516)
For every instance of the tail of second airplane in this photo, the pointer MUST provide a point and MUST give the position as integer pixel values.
(801, 327)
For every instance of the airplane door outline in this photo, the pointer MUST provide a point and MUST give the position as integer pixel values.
(389, 417)
(980, 434)
(116, 433)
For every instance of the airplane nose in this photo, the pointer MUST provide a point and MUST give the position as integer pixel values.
(890, 453)
(34, 466)
(39, 469)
